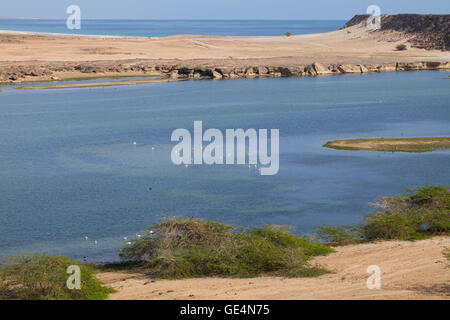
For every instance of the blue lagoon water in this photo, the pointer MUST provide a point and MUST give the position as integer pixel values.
(68, 167)
(159, 28)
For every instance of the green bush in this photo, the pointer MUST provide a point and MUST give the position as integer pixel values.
(340, 235)
(401, 47)
(44, 277)
(188, 247)
(419, 214)
(288, 34)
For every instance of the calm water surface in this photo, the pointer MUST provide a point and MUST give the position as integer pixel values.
(159, 28)
(69, 168)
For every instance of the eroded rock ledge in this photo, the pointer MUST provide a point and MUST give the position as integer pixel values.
(26, 73)
(314, 69)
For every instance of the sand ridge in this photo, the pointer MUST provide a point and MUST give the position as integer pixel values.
(37, 57)
(356, 42)
(410, 270)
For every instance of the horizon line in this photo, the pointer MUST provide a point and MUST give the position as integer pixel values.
(177, 19)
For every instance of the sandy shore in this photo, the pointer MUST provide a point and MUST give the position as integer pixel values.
(392, 144)
(355, 44)
(31, 57)
(410, 270)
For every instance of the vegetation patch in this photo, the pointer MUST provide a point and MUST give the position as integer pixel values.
(188, 247)
(401, 47)
(392, 144)
(421, 213)
(176, 248)
(44, 277)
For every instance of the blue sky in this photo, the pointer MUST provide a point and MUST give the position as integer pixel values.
(215, 9)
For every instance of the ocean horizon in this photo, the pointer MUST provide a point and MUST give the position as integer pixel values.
(161, 28)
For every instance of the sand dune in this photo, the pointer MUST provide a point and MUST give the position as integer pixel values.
(410, 270)
(331, 47)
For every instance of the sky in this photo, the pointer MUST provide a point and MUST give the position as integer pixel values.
(215, 9)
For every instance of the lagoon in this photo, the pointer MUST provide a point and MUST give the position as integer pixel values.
(69, 168)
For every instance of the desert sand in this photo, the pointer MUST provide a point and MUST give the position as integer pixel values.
(32, 57)
(410, 270)
(354, 44)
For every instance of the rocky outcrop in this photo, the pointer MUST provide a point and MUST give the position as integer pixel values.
(427, 31)
(349, 68)
(363, 68)
(437, 65)
(318, 69)
(314, 69)
(262, 70)
(216, 75)
(357, 19)
(19, 73)
(410, 66)
(390, 67)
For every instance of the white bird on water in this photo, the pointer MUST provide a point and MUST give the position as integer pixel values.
(125, 238)
(150, 232)
(153, 148)
(138, 236)
(95, 242)
(129, 243)
(134, 143)
(86, 238)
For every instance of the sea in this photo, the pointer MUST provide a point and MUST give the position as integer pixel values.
(161, 28)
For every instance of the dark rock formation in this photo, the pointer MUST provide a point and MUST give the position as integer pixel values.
(428, 31)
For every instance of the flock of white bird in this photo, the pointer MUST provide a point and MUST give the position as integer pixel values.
(150, 232)
(249, 166)
(125, 239)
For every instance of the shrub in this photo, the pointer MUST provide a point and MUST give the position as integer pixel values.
(417, 215)
(401, 47)
(288, 34)
(44, 277)
(188, 247)
(340, 235)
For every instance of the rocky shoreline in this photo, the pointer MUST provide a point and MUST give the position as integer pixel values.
(314, 69)
(352, 49)
(16, 74)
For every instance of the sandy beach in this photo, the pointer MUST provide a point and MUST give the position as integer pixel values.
(392, 144)
(28, 57)
(410, 270)
(351, 45)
